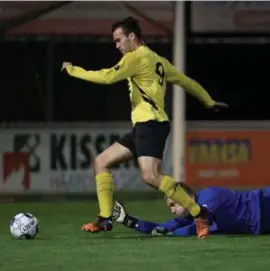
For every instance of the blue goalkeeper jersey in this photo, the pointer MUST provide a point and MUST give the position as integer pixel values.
(231, 212)
(234, 212)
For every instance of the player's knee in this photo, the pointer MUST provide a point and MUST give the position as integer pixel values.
(100, 164)
(150, 178)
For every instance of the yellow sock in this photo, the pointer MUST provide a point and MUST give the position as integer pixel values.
(105, 185)
(179, 195)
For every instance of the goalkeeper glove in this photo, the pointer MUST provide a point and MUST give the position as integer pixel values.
(119, 212)
(120, 215)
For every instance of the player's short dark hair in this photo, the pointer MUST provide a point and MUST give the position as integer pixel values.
(129, 25)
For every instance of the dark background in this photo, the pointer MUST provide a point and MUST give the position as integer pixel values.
(34, 89)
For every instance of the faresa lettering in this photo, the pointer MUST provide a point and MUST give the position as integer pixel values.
(216, 151)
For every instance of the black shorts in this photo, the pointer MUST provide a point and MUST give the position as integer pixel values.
(147, 139)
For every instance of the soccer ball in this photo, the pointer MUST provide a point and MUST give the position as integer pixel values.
(24, 226)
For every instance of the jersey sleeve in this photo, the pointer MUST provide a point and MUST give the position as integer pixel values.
(144, 226)
(190, 230)
(174, 76)
(125, 68)
(175, 223)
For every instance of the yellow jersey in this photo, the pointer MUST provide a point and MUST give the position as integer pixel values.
(147, 74)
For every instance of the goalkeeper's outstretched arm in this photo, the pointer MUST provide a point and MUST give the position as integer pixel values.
(174, 227)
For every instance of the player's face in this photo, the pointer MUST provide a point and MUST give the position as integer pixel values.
(123, 43)
(176, 208)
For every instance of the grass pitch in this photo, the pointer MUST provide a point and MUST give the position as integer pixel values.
(61, 245)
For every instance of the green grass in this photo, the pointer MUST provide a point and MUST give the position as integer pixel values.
(61, 245)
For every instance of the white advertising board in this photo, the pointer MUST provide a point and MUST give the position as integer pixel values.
(58, 160)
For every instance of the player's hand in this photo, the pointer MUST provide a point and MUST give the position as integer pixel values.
(119, 212)
(65, 64)
(219, 105)
(161, 231)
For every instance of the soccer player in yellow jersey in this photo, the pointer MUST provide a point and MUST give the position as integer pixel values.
(147, 74)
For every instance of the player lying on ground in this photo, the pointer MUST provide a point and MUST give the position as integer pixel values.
(147, 74)
(230, 212)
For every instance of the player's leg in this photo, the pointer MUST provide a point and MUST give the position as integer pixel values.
(117, 153)
(150, 143)
(152, 176)
(166, 184)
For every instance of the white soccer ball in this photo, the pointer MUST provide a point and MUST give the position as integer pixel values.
(24, 226)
